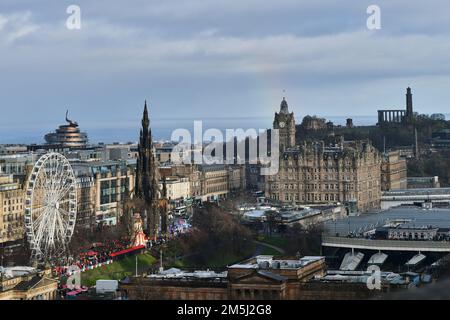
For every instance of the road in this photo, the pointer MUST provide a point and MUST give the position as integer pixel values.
(260, 244)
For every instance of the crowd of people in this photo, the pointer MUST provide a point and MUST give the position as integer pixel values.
(98, 253)
(101, 252)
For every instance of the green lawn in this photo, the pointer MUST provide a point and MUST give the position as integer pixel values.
(275, 241)
(118, 269)
(270, 251)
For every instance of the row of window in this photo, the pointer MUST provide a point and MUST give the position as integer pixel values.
(309, 197)
(411, 235)
(293, 176)
(217, 189)
(13, 208)
(318, 197)
(326, 166)
(12, 201)
(313, 186)
(12, 217)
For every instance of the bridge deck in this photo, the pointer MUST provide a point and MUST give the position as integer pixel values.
(388, 245)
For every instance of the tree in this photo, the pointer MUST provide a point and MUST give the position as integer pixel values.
(129, 207)
(214, 232)
(272, 218)
(306, 240)
(436, 164)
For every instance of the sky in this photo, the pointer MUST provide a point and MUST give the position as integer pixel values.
(197, 59)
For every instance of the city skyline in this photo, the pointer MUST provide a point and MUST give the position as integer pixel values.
(162, 127)
(200, 60)
(241, 151)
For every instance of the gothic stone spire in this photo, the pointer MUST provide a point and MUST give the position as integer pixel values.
(146, 187)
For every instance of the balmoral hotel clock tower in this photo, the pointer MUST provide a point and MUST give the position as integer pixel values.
(284, 121)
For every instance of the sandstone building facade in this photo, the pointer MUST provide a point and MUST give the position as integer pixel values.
(260, 277)
(12, 198)
(317, 173)
(393, 171)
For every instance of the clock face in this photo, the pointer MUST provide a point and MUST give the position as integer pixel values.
(282, 124)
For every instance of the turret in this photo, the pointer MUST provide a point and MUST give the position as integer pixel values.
(284, 108)
(145, 120)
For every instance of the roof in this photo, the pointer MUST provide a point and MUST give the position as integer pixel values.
(351, 262)
(174, 273)
(37, 280)
(11, 272)
(271, 275)
(26, 285)
(255, 213)
(118, 253)
(415, 260)
(267, 262)
(378, 258)
(359, 277)
(409, 216)
(211, 167)
(171, 271)
(418, 191)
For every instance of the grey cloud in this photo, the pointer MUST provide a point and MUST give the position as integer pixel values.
(211, 58)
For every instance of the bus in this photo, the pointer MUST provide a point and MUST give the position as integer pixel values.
(180, 211)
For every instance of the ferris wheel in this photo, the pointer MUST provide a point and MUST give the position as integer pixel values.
(50, 207)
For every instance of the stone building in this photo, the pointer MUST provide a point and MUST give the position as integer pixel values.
(393, 171)
(261, 277)
(413, 233)
(349, 123)
(319, 173)
(177, 188)
(17, 165)
(399, 116)
(189, 171)
(313, 123)
(163, 153)
(101, 190)
(10, 149)
(26, 283)
(174, 284)
(206, 182)
(112, 184)
(284, 121)
(267, 278)
(440, 140)
(86, 196)
(12, 198)
(146, 185)
(254, 179)
(214, 182)
(423, 182)
(118, 151)
(258, 278)
(236, 178)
